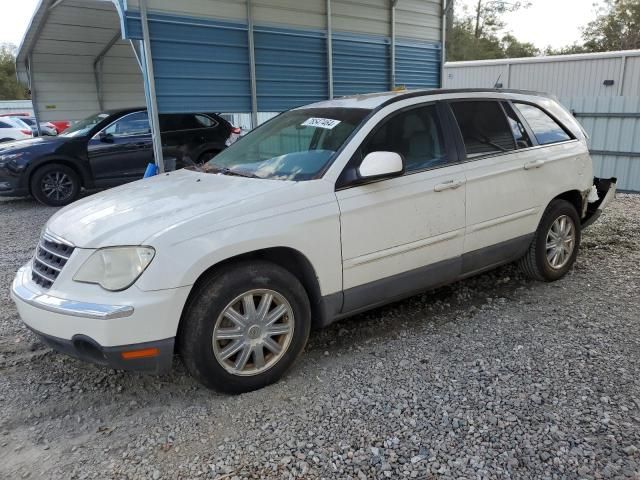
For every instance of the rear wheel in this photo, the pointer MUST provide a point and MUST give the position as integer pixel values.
(55, 185)
(554, 248)
(244, 327)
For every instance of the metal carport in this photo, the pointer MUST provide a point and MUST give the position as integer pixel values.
(75, 62)
(224, 55)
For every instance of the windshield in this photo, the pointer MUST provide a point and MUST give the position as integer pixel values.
(83, 126)
(29, 121)
(296, 145)
(17, 122)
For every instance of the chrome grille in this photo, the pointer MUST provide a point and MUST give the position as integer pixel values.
(50, 258)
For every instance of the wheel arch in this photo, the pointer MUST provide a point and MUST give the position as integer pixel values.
(286, 257)
(575, 198)
(62, 161)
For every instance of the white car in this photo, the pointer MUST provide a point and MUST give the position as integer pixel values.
(322, 212)
(12, 129)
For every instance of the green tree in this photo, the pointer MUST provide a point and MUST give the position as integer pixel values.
(10, 89)
(617, 27)
(513, 48)
(474, 34)
(487, 15)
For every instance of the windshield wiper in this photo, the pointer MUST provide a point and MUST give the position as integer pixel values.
(228, 171)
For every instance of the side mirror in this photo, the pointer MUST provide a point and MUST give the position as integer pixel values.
(105, 137)
(381, 165)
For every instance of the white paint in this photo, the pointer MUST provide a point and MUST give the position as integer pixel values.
(376, 164)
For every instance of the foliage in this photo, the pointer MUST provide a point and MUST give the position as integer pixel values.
(475, 34)
(617, 27)
(10, 89)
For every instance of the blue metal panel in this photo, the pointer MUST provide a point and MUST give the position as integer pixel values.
(291, 67)
(361, 64)
(199, 65)
(418, 64)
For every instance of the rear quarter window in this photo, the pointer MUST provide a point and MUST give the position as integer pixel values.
(545, 128)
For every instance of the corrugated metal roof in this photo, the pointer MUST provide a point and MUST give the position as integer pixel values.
(545, 59)
(64, 40)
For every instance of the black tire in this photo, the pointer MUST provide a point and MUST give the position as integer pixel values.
(535, 263)
(69, 185)
(205, 306)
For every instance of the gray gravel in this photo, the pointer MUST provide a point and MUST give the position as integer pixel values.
(493, 377)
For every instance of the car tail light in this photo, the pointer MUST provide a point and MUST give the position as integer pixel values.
(236, 130)
(27, 132)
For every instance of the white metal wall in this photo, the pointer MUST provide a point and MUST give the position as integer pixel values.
(564, 76)
(613, 125)
(122, 79)
(16, 106)
(609, 113)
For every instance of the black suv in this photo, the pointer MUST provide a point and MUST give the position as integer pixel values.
(105, 150)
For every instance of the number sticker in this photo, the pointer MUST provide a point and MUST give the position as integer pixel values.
(327, 123)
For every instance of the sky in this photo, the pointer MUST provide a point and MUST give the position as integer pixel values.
(546, 22)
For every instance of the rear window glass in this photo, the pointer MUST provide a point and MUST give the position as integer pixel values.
(484, 127)
(545, 128)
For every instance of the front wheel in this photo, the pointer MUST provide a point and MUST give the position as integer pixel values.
(55, 185)
(554, 247)
(244, 327)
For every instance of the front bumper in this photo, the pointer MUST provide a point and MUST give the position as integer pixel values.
(151, 357)
(136, 332)
(12, 183)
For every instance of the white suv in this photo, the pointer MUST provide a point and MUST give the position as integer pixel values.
(322, 212)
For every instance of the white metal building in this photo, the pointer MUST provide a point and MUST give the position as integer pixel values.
(81, 56)
(602, 89)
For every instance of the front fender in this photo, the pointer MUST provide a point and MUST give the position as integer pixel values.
(313, 231)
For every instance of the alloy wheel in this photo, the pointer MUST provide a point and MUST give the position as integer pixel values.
(561, 240)
(57, 186)
(253, 332)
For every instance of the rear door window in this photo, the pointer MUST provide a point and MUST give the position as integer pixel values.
(545, 128)
(205, 121)
(484, 127)
(517, 128)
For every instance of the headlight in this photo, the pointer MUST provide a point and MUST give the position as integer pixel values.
(10, 156)
(115, 268)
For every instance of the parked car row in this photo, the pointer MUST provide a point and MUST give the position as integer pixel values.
(322, 212)
(47, 128)
(12, 129)
(104, 150)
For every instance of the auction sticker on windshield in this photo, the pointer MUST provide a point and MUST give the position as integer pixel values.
(327, 123)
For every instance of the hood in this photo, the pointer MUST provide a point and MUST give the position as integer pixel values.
(36, 143)
(130, 214)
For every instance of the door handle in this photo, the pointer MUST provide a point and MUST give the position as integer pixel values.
(533, 164)
(448, 185)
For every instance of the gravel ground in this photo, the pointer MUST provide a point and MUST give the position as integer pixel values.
(493, 377)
